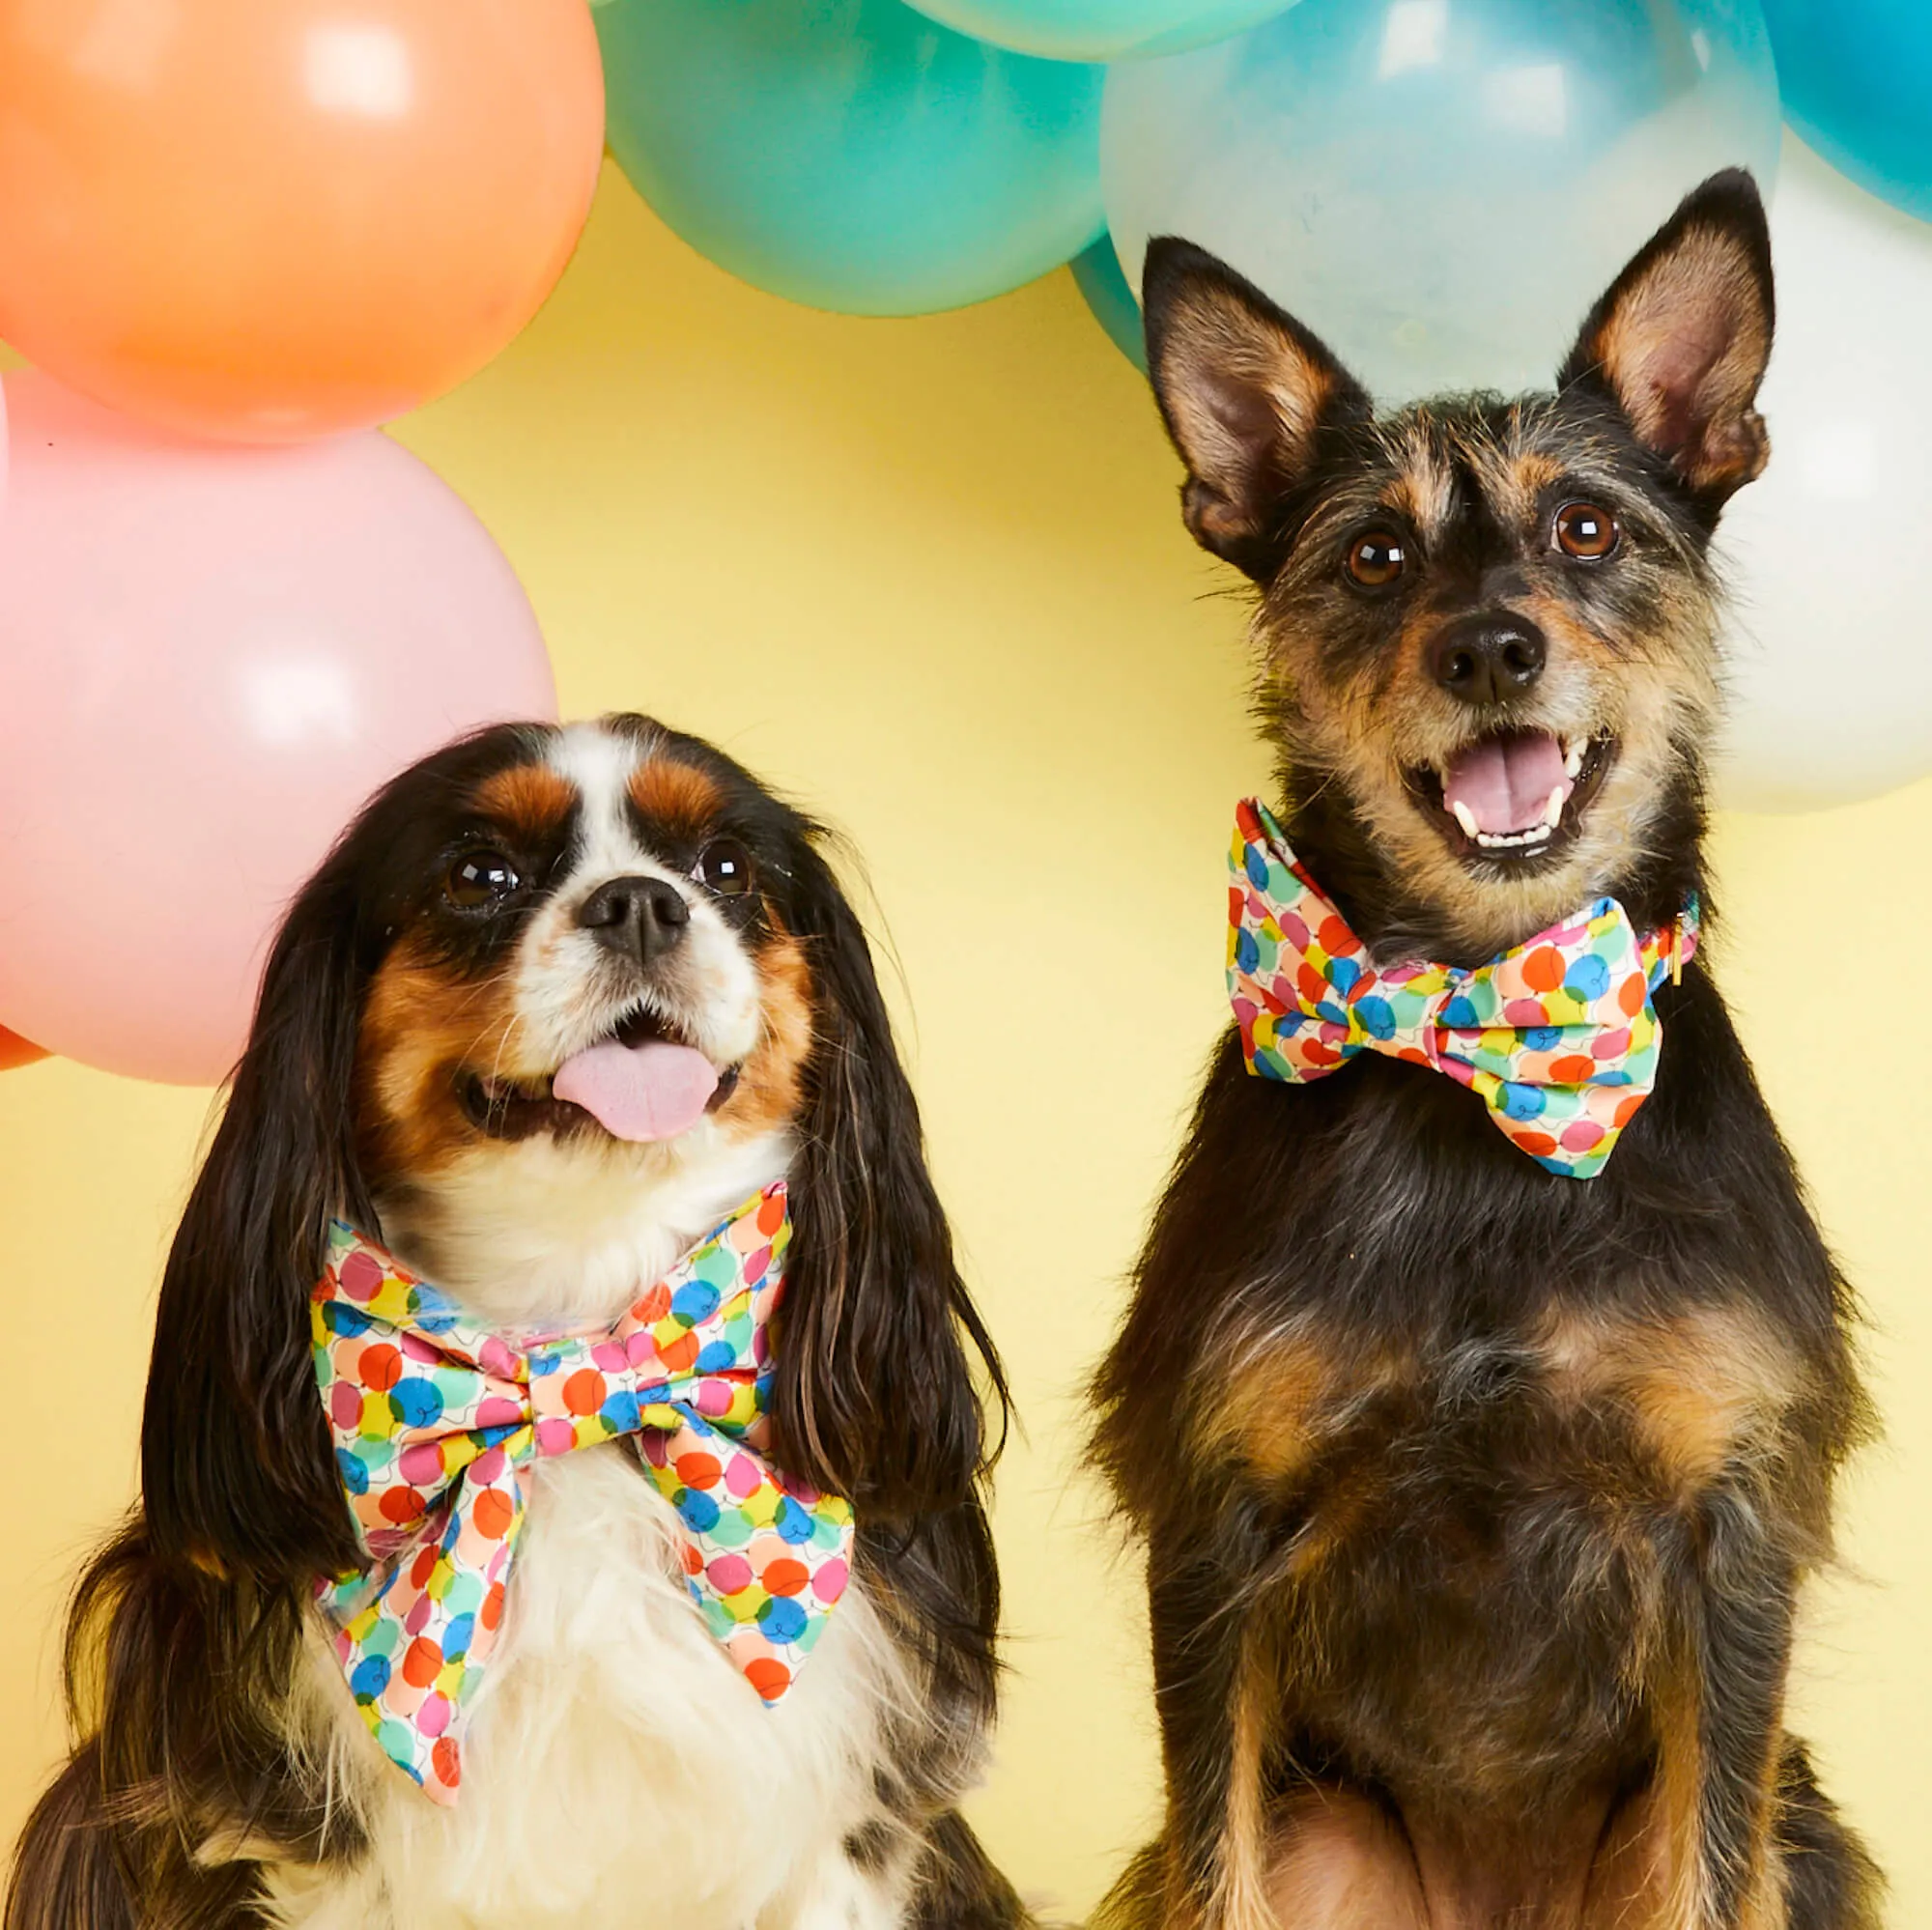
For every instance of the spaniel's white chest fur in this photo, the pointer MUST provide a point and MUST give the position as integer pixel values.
(616, 1761)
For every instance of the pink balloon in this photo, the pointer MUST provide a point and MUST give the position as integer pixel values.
(209, 657)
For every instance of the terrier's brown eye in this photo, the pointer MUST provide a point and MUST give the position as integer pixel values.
(724, 867)
(1585, 531)
(481, 878)
(1376, 558)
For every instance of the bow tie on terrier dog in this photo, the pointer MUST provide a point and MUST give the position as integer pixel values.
(1558, 1035)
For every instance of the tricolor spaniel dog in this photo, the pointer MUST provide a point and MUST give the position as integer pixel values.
(561, 1462)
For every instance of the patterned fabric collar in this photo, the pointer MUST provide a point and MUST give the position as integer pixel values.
(435, 1420)
(1558, 1035)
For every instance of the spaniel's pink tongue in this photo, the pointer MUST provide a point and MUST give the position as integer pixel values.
(1505, 782)
(654, 1091)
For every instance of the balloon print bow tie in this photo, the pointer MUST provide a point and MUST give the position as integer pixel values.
(435, 1421)
(1558, 1035)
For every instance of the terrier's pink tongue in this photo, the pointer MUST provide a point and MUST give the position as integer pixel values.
(1505, 782)
(654, 1091)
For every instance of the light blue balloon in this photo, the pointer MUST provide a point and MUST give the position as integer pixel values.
(851, 153)
(1096, 273)
(1100, 29)
(1440, 188)
(1857, 76)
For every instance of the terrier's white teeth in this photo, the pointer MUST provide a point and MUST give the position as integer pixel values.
(1572, 762)
(1466, 818)
(1503, 840)
(1552, 811)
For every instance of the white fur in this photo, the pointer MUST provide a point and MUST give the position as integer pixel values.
(569, 991)
(617, 1762)
(540, 1235)
(616, 1765)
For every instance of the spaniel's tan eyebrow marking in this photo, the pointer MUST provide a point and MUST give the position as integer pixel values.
(532, 800)
(679, 797)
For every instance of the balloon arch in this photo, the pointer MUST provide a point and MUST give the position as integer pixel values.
(243, 237)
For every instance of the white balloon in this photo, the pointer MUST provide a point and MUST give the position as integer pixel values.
(1830, 637)
(1440, 188)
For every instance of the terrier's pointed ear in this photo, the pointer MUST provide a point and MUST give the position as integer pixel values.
(1681, 340)
(1245, 391)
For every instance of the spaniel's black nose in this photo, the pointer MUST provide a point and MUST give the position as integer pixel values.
(1488, 658)
(642, 918)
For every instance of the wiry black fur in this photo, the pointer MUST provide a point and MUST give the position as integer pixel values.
(1349, 1199)
(1471, 1601)
(184, 1628)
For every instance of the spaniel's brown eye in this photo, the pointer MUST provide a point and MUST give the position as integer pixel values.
(481, 878)
(724, 867)
(1585, 531)
(1376, 558)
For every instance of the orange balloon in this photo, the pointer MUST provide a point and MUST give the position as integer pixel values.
(18, 1050)
(271, 219)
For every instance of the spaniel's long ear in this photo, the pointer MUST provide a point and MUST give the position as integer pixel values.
(1246, 393)
(236, 1465)
(1681, 339)
(874, 1397)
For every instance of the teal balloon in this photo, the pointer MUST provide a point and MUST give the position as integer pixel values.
(1096, 273)
(1100, 29)
(852, 155)
(1440, 188)
(1857, 76)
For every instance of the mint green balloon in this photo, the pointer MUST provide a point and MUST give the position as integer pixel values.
(1100, 29)
(852, 155)
(1112, 301)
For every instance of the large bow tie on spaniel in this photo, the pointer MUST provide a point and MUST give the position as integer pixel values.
(436, 1419)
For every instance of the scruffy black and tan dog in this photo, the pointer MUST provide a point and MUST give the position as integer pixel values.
(1476, 1494)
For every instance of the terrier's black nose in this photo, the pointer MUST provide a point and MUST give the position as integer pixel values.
(1488, 658)
(642, 918)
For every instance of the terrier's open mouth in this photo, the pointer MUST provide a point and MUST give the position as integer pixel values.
(1516, 796)
(642, 1083)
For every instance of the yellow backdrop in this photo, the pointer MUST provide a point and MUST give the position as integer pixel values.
(929, 576)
